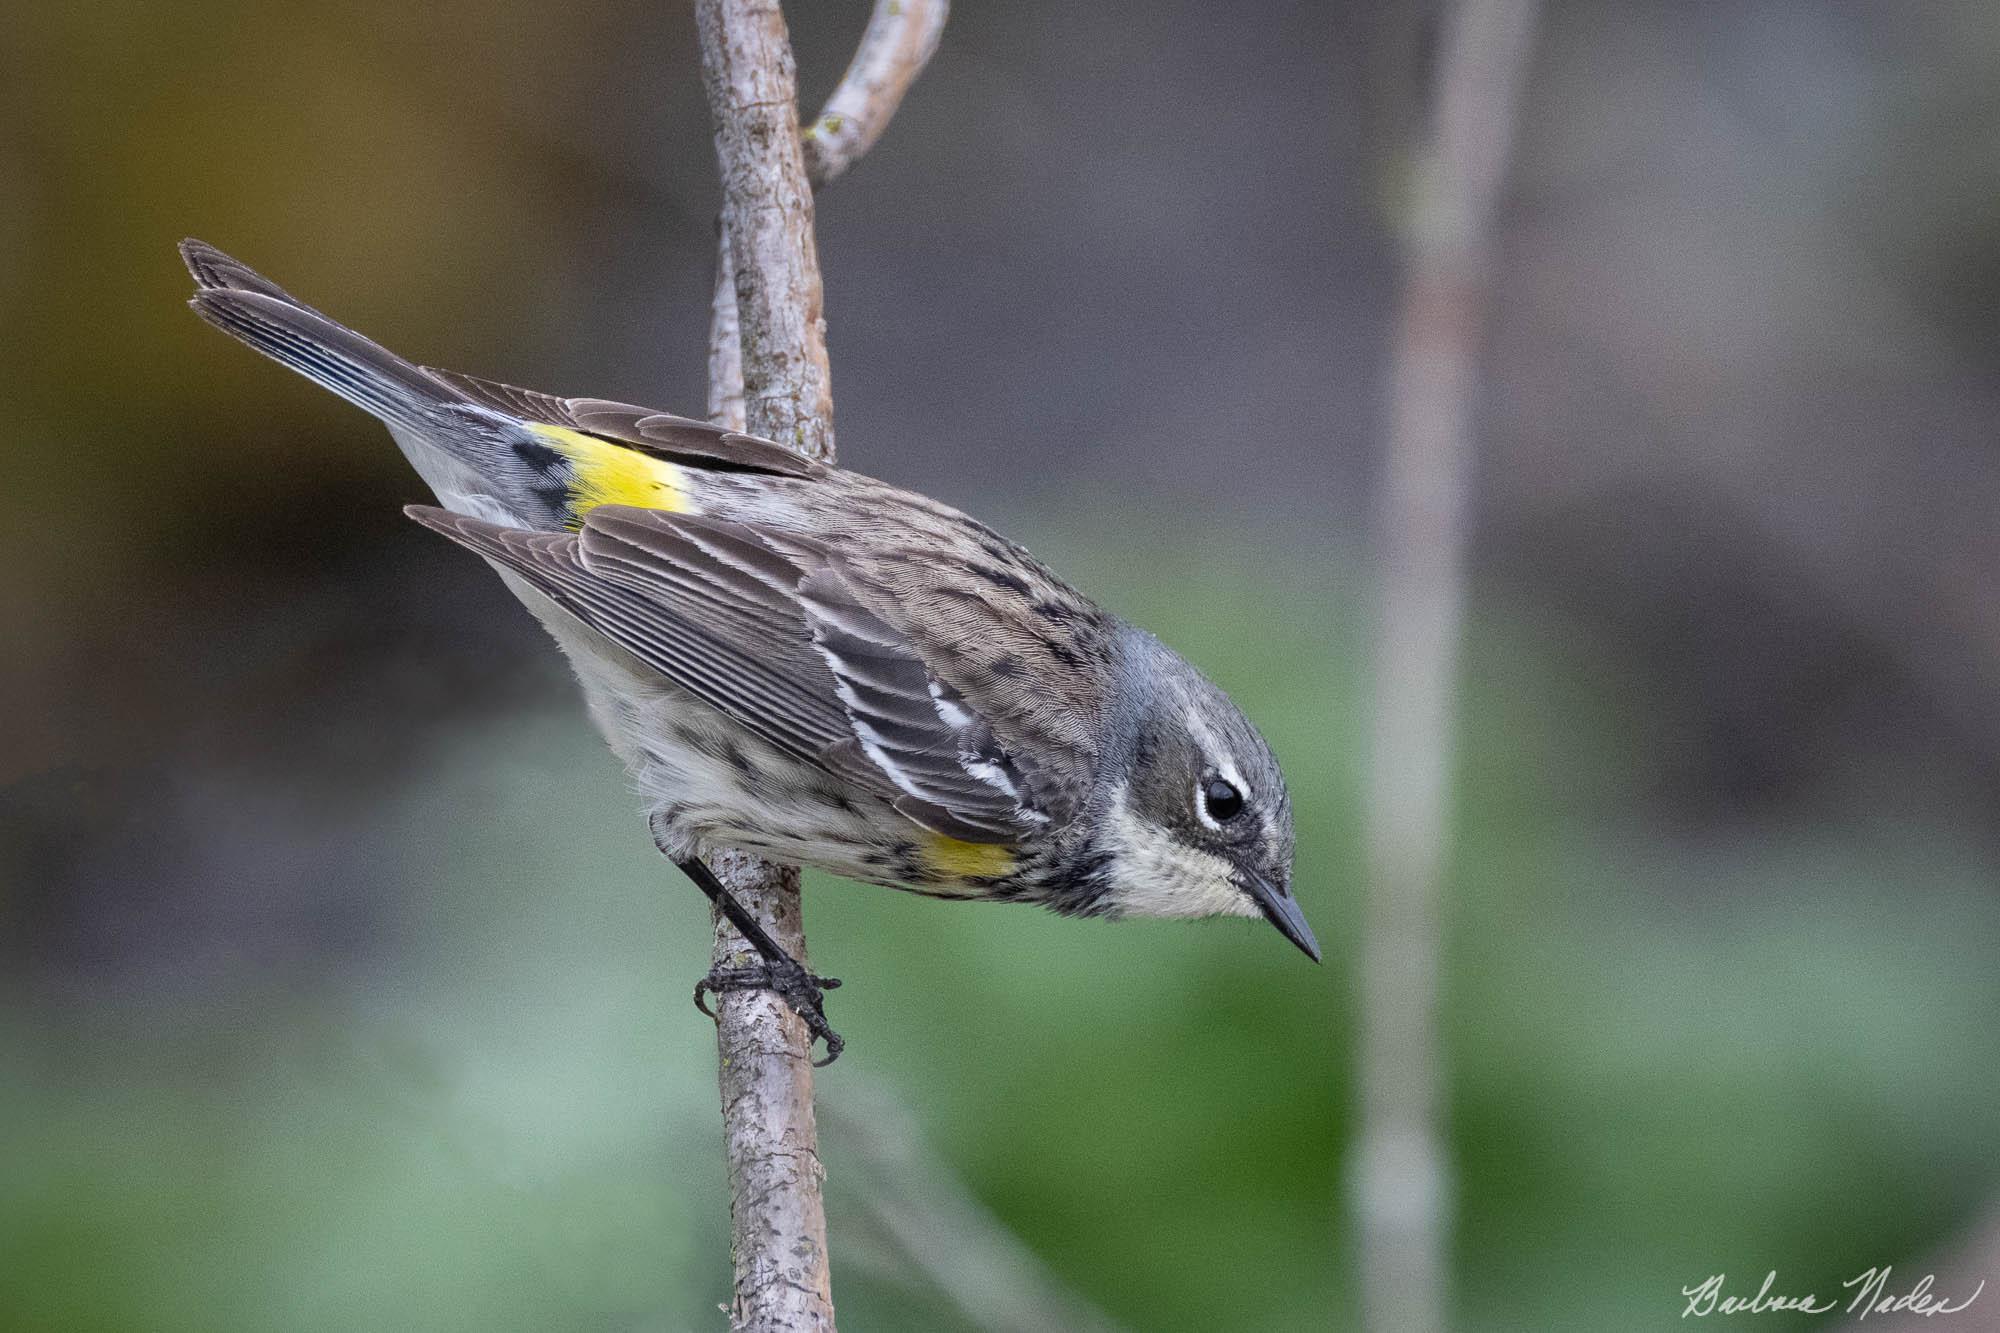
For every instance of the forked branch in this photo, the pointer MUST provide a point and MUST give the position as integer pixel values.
(901, 38)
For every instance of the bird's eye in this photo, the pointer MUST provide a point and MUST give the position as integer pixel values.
(1222, 800)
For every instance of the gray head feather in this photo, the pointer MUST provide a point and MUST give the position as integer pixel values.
(1197, 820)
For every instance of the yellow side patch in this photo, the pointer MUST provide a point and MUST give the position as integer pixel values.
(610, 474)
(953, 858)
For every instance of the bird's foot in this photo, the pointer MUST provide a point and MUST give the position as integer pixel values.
(800, 989)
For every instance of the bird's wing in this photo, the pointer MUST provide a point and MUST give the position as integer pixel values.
(696, 631)
(767, 629)
(1030, 658)
(910, 723)
(679, 439)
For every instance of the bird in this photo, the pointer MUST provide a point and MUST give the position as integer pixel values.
(818, 668)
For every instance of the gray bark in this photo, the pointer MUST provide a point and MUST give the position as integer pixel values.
(768, 374)
(783, 1278)
(902, 37)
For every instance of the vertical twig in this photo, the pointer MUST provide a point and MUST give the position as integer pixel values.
(1400, 1176)
(769, 374)
(783, 1279)
(725, 343)
(767, 212)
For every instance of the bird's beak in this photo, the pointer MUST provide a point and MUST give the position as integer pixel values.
(1283, 911)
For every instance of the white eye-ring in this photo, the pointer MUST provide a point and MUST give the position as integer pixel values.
(1217, 800)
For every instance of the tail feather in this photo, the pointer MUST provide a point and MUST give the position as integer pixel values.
(212, 268)
(252, 308)
(468, 442)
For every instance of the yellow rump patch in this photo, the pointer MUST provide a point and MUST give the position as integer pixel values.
(604, 473)
(955, 858)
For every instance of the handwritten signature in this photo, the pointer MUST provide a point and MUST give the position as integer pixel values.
(1871, 1296)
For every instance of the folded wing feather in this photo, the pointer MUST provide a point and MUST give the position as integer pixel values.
(769, 630)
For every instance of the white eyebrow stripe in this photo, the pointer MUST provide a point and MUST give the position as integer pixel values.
(1224, 769)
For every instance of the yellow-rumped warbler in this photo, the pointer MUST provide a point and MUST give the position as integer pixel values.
(816, 667)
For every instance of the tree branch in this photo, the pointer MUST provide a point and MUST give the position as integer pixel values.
(901, 37)
(767, 214)
(725, 341)
(777, 1213)
(768, 373)
(1400, 1176)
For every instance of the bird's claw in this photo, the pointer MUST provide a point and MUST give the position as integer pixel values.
(800, 989)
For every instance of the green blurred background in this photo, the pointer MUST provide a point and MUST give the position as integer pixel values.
(340, 986)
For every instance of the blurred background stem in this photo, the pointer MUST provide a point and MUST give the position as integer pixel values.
(1401, 1177)
(938, 1227)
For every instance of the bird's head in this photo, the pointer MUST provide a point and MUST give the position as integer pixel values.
(1197, 820)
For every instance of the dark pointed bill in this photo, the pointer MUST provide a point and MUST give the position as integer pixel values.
(1283, 912)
